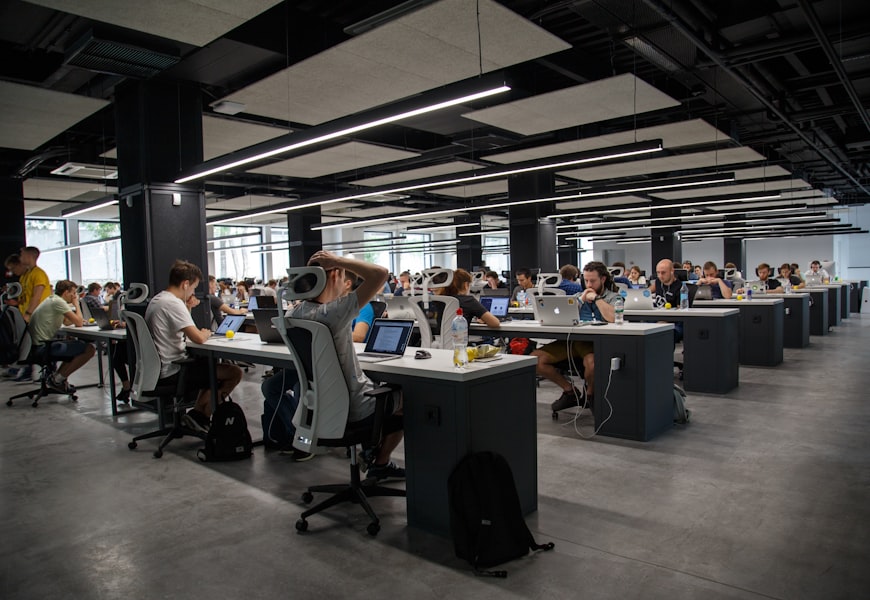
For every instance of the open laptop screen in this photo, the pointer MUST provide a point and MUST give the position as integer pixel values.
(233, 322)
(498, 306)
(389, 336)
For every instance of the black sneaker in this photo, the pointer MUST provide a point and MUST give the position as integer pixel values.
(61, 387)
(574, 398)
(384, 472)
(297, 454)
(123, 397)
(195, 420)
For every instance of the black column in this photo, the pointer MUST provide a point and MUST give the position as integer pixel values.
(665, 242)
(159, 134)
(303, 240)
(568, 254)
(533, 237)
(733, 250)
(12, 236)
(469, 251)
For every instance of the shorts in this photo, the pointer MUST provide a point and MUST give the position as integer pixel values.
(559, 350)
(195, 376)
(393, 421)
(63, 350)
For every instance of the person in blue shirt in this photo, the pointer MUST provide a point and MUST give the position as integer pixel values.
(569, 274)
(720, 288)
(687, 265)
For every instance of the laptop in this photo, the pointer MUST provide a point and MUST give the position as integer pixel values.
(637, 299)
(757, 287)
(812, 280)
(703, 292)
(562, 311)
(101, 318)
(233, 322)
(252, 303)
(264, 301)
(263, 318)
(497, 306)
(388, 339)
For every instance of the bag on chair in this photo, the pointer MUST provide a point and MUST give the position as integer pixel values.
(681, 413)
(228, 438)
(486, 519)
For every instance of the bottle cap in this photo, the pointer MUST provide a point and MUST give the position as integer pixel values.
(459, 311)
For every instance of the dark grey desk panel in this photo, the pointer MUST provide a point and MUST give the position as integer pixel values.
(796, 321)
(819, 322)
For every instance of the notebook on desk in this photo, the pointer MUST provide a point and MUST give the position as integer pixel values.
(233, 322)
(263, 318)
(637, 299)
(561, 311)
(497, 306)
(387, 340)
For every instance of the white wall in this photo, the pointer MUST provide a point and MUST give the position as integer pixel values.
(852, 252)
(776, 251)
(701, 251)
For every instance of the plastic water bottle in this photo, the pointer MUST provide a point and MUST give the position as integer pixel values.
(786, 287)
(749, 293)
(684, 296)
(619, 311)
(459, 332)
(522, 298)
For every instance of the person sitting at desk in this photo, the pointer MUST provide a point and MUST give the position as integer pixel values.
(62, 308)
(271, 288)
(119, 350)
(687, 265)
(93, 298)
(404, 285)
(217, 306)
(242, 291)
(471, 308)
(336, 310)
(596, 303)
(635, 278)
(697, 272)
(169, 321)
(796, 271)
(667, 287)
(524, 282)
(362, 323)
(816, 270)
(719, 287)
(569, 284)
(493, 281)
(786, 275)
(763, 273)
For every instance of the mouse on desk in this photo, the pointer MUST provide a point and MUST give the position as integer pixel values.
(422, 354)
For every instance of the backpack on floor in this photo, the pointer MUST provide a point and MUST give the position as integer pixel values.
(681, 413)
(228, 438)
(486, 519)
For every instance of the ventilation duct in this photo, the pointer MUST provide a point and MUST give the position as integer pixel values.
(107, 56)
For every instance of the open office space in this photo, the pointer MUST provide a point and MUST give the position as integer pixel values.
(514, 133)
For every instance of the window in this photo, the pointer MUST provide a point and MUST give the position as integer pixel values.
(100, 262)
(280, 258)
(414, 260)
(235, 258)
(496, 253)
(380, 255)
(46, 234)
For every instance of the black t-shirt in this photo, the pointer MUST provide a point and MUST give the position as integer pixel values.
(215, 304)
(772, 284)
(470, 308)
(670, 292)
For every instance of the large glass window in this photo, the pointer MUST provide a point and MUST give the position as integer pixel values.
(380, 255)
(46, 234)
(496, 253)
(280, 258)
(235, 258)
(100, 262)
(413, 261)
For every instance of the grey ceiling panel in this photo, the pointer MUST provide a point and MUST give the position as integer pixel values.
(455, 166)
(222, 136)
(338, 159)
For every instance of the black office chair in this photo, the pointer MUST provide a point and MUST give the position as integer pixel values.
(378, 308)
(40, 355)
(324, 403)
(165, 400)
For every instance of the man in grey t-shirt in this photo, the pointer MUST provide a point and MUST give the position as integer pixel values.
(335, 309)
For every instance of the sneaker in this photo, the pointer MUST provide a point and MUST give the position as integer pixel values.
(365, 458)
(123, 397)
(61, 387)
(297, 454)
(567, 400)
(195, 420)
(384, 472)
(23, 375)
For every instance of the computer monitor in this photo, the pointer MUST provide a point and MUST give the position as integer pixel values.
(720, 273)
(681, 274)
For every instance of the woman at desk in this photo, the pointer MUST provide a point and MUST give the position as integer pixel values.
(471, 308)
(635, 278)
(242, 292)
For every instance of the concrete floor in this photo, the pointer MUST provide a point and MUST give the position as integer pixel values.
(763, 495)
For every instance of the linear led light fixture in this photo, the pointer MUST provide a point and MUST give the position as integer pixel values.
(760, 226)
(82, 245)
(779, 234)
(489, 232)
(340, 128)
(623, 242)
(638, 223)
(636, 208)
(440, 227)
(660, 184)
(86, 207)
(551, 163)
(767, 230)
(684, 217)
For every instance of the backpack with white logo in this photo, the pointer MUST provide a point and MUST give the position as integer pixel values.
(228, 438)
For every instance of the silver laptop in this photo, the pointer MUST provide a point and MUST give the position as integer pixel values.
(637, 299)
(557, 310)
(268, 333)
(757, 286)
(387, 340)
(813, 280)
(497, 306)
(704, 292)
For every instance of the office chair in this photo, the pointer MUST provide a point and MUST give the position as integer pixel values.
(39, 355)
(148, 395)
(378, 308)
(419, 294)
(547, 284)
(407, 307)
(324, 403)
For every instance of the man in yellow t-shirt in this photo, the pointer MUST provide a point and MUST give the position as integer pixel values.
(35, 286)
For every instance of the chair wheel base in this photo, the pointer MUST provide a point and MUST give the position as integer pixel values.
(307, 497)
(158, 454)
(9, 403)
(35, 403)
(555, 415)
(301, 525)
(373, 528)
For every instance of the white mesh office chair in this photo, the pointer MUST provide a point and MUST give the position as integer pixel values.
(547, 284)
(431, 279)
(324, 402)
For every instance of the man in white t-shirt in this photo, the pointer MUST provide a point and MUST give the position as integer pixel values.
(62, 308)
(169, 321)
(337, 309)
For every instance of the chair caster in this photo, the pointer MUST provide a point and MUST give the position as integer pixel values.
(301, 525)
(35, 403)
(307, 497)
(9, 403)
(373, 528)
(74, 398)
(158, 454)
(132, 445)
(555, 415)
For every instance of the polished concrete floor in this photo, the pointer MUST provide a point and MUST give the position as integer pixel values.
(766, 494)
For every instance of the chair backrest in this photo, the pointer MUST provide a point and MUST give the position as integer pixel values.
(408, 307)
(378, 308)
(324, 401)
(147, 359)
(547, 291)
(449, 305)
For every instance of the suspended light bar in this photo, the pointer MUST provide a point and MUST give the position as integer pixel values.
(87, 207)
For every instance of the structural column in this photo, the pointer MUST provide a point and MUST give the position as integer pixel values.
(533, 236)
(733, 249)
(469, 251)
(159, 135)
(303, 240)
(665, 242)
(12, 235)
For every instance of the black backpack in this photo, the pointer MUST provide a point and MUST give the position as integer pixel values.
(486, 519)
(10, 341)
(228, 438)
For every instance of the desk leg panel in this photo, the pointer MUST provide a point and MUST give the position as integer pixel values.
(711, 354)
(834, 306)
(819, 313)
(796, 321)
(444, 422)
